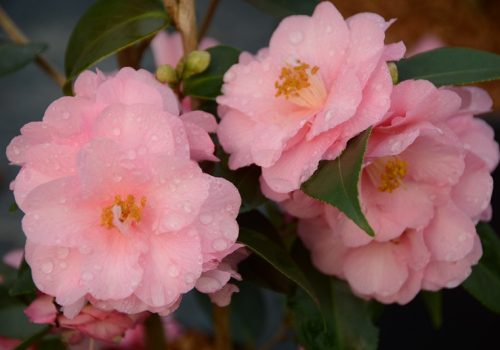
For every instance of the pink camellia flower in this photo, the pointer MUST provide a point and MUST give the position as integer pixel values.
(322, 81)
(116, 211)
(128, 104)
(92, 322)
(424, 185)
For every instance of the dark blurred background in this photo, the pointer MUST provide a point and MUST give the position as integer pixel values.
(25, 95)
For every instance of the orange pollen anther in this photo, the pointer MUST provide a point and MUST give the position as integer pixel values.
(392, 177)
(122, 210)
(292, 79)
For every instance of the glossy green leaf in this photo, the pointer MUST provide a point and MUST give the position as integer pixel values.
(484, 281)
(245, 179)
(284, 8)
(109, 26)
(15, 324)
(23, 285)
(336, 181)
(342, 320)
(434, 304)
(52, 344)
(451, 66)
(207, 85)
(15, 56)
(277, 256)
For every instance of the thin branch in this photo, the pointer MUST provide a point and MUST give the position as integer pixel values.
(17, 36)
(183, 14)
(208, 18)
(221, 327)
(155, 337)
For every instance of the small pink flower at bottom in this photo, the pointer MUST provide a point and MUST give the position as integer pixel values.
(322, 81)
(108, 326)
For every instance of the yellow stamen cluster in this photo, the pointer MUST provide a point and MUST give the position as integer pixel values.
(128, 209)
(293, 79)
(395, 171)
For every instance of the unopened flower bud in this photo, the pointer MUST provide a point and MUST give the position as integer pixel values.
(393, 69)
(166, 74)
(194, 63)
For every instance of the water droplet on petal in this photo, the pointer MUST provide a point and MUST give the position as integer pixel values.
(219, 244)
(188, 278)
(206, 219)
(173, 271)
(295, 37)
(187, 208)
(328, 115)
(87, 276)
(117, 132)
(329, 29)
(117, 178)
(65, 115)
(63, 265)
(47, 267)
(62, 252)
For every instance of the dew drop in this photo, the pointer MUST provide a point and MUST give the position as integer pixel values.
(206, 219)
(296, 37)
(87, 276)
(16, 151)
(219, 244)
(462, 237)
(329, 115)
(63, 265)
(36, 217)
(117, 178)
(62, 253)
(188, 278)
(65, 115)
(329, 29)
(47, 267)
(117, 132)
(173, 271)
(187, 208)
(131, 154)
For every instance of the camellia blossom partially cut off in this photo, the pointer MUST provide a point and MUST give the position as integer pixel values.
(425, 184)
(117, 212)
(322, 81)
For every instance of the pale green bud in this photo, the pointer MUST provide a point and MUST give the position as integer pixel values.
(166, 74)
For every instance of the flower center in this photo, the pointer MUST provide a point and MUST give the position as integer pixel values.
(388, 172)
(301, 85)
(122, 210)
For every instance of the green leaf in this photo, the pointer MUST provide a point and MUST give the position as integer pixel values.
(15, 324)
(433, 302)
(245, 179)
(451, 66)
(13, 208)
(284, 8)
(109, 26)
(277, 256)
(207, 85)
(15, 56)
(484, 281)
(342, 321)
(336, 181)
(23, 285)
(35, 338)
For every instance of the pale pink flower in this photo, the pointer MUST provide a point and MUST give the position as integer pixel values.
(423, 189)
(101, 325)
(127, 105)
(425, 43)
(322, 81)
(117, 212)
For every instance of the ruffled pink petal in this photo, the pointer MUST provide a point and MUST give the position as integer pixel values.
(171, 267)
(87, 82)
(223, 296)
(440, 274)
(204, 120)
(327, 250)
(450, 234)
(201, 145)
(302, 206)
(350, 233)
(474, 100)
(216, 223)
(42, 310)
(167, 48)
(374, 269)
(14, 258)
(320, 40)
(236, 135)
(48, 219)
(179, 191)
(472, 194)
(56, 271)
(434, 161)
(68, 115)
(297, 164)
(31, 134)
